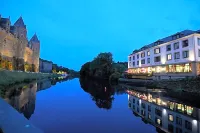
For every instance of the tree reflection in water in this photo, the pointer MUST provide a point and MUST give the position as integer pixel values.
(102, 93)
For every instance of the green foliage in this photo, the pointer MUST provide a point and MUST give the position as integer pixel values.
(102, 67)
(114, 77)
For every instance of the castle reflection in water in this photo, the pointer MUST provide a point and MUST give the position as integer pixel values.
(165, 114)
(23, 97)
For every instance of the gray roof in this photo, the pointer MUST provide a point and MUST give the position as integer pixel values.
(20, 23)
(34, 38)
(166, 39)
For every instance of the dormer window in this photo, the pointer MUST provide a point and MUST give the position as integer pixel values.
(174, 37)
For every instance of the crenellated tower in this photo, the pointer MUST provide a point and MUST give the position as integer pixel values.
(34, 44)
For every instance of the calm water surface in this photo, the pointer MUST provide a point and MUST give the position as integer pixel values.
(78, 107)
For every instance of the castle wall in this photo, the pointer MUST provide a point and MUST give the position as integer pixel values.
(15, 53)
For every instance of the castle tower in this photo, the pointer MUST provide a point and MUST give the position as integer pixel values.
(19, 30)
(34, 44)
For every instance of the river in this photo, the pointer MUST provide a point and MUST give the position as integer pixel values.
(80, 106)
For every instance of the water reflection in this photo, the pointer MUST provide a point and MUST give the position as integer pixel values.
(101, 92)
(164, 113)
(22, 97)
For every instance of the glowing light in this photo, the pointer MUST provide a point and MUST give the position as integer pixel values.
(164, 111)
(140, 101)
(164, 103)
(194, 122)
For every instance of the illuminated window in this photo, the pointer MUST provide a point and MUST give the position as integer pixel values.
(177, 55)
(157, 59)
(176, 45)
(169, 56)
(148, 53)
(158, 121)
(168, 47)
(185, 54)
(156, 50)
(143, 54)
(171, 118)
(143, 61)
(189, 110)
(185, 43)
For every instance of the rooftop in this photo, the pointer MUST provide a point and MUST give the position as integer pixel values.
(167, 39)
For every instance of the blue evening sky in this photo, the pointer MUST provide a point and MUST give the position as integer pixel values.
(73, 32)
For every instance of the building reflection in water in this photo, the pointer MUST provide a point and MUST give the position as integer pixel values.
(22, 97)
(165, 114)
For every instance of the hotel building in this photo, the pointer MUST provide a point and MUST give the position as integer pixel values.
(176, 56)
(165, 114)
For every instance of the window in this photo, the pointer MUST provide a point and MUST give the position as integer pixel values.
(149, 116)
(137, 102)
(176, 36)
(137, 62)
(188, 125)
(134, 107)
(133, 57)
(148, 53)
(169, 56)
(156, 50)
(143, 61)
(199, 52)
(158, 121)
(138, 110)
(157, 59)
(185, 54)
(142, 54)
(178, 130)
(185, 43)
(168, 47)
(170, 117)
(138, 56)
(170, 128)
(143, 112)
(178, 121)
(149, 108)
(133, 100)
(176, 45)
(133, 63)
(148, 60)
(177, 55)
(143, 105)
(198, 41)
(158, 112)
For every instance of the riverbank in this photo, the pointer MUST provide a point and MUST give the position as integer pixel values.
(178, 85)
(13, 77)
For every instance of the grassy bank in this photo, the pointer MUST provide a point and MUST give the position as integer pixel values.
(11, 77)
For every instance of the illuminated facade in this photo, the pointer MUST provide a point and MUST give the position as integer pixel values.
(176, 56)
(169, 116)
(16, 52)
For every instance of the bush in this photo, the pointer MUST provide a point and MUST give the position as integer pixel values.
(114, 77)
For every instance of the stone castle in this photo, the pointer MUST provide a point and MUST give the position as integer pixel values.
(16, 52)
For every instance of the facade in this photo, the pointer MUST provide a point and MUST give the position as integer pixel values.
(164, 114)
(176, 56)
(16, 52)
(45, 66)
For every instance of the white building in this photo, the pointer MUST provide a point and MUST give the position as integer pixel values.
(169, 116)
(176, 56)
